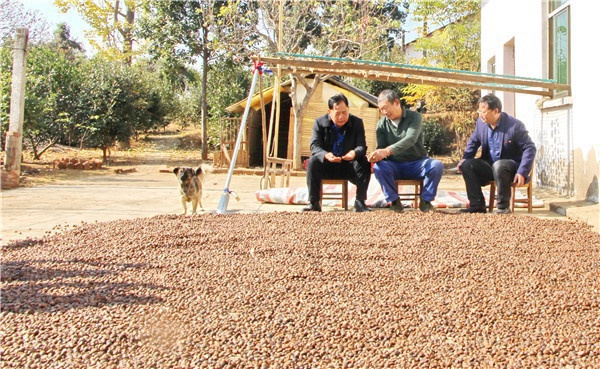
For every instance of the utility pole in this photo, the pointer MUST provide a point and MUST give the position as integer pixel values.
(14, 136)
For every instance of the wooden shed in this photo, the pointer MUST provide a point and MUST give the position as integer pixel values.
(362, 104)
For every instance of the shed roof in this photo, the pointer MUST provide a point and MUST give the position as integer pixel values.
(406, 73)
(239, 106)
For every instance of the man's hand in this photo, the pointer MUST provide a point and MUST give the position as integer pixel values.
(459, 166)
(378, 155)
(332, 158)
(519, 179)
(350, 155)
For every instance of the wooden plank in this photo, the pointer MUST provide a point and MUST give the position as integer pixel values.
(424, 81)
(333, 67)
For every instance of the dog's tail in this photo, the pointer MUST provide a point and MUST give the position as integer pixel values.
(202, 170)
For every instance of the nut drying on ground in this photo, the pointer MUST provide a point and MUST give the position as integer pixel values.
(297, 290)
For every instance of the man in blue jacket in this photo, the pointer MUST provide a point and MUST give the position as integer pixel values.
(338, 151)
(507, 154)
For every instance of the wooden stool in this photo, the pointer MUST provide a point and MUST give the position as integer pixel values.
(414, 195)
(343, 195)
(528, 200)
(279, 167)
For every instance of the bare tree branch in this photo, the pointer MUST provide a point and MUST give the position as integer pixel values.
(13, 15)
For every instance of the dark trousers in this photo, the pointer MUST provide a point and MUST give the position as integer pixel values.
(357, 172)
(478, 173)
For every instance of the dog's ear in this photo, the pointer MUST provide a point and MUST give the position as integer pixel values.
(176, 170)
(198, 171)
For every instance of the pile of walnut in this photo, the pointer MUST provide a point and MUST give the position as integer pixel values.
(77, 163)
(305, 290)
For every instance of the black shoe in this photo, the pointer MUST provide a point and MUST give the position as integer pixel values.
(397, 206)
(313, 206)
(360, 207)
(426, 206)
(475, 209)
(503, 211)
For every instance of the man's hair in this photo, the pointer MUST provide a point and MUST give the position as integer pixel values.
(388, 95)
(492, 101)
(336, 99)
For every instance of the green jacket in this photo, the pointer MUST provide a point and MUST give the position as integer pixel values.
(406, 141)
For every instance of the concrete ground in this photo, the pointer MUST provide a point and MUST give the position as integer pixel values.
(30, 212)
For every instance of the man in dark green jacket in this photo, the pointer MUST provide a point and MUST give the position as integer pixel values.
(401, 154)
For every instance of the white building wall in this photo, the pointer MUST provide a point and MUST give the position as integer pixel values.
(410, 53)
(585, 82)
(566, 129)
(584, 70)
(501, 24)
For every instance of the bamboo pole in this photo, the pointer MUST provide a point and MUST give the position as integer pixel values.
(278, 80)
(264, 131)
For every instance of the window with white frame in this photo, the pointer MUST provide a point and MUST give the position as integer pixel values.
(559, 27)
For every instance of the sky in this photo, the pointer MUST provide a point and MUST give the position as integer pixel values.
(54, 16)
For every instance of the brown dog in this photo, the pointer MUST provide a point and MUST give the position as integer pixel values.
(190, 187)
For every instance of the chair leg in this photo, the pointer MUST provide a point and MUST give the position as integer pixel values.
(492, 197)
(415, 201)
(513, 190)
(529, 198)
(345, 195)
(420, 191)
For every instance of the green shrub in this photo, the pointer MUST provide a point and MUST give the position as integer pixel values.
(435, 136)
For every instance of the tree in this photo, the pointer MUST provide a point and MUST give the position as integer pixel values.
(13, 15)
(347, 29)
(112, 23)
(52, 82)
(117, 102)
(454, 45)
(181, 32)
(72, 100)
(224, 72)
(62, 41)
(5, 90)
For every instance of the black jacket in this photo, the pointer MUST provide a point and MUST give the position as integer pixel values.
(321, 141)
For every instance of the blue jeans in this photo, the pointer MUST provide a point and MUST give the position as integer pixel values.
(388, 171)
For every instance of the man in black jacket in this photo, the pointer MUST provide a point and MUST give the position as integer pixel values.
(338, 151)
